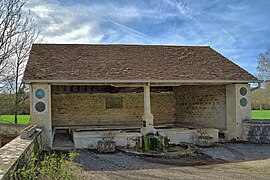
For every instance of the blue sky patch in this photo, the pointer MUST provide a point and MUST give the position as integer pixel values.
(238, 29)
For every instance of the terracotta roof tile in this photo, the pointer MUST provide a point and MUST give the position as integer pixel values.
(130, 62)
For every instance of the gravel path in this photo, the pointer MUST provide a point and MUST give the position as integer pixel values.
(247, 161)
(238, 151)
(113, 162)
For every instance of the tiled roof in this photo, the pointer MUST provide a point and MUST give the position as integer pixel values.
(72, 62)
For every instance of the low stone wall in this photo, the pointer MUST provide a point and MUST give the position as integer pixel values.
(17, 151)
(256, 131)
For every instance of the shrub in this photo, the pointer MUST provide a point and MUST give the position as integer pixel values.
(49, 166)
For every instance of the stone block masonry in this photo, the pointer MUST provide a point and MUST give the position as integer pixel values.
(201, 106)
(17, 150)
(90, 109)
(256, 131)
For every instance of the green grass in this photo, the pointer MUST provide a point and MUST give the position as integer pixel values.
(258, 114)
(22, 119)
(25, 119)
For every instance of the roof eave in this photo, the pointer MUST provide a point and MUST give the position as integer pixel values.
(139, 81)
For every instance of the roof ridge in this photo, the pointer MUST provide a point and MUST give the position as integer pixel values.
(154, 45)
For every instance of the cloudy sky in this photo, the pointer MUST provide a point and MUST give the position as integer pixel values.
(239, 29)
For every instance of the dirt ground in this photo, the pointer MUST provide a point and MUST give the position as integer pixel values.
(226, 161)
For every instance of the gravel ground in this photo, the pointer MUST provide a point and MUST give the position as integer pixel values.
(244, 161)
(113, 162)
(239, 151)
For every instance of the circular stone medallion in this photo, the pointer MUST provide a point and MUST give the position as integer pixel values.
(243, 91)
(40, 93)
(40, 106)
(243, 102)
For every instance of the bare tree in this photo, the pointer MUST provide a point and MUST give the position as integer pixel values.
(17, 33)
(11, 24)
(263, 67)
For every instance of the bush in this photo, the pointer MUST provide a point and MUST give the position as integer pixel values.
(50, 166)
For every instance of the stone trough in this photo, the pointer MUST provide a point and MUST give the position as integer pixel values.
(129, 139)
(90, 139)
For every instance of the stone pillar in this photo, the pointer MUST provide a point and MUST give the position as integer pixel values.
(40, 111)
(148, 126)
(238, 108)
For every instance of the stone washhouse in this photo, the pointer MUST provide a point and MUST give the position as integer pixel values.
(80, 92)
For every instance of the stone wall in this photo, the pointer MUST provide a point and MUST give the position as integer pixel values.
(16, 151)
(90, 109)
(201, 106)
(256, 131)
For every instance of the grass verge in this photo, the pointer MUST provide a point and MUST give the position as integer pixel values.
(258, 114)
(25, 119)
(22, 119)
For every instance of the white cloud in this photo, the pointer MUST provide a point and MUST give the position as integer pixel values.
(63, 24)
(234, 28)
(82, 35)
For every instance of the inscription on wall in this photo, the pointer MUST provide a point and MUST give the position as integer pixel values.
(114, 103)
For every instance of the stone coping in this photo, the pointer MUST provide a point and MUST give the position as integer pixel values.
(13, 151)
(257, 121)
(99, 134)
(191, 148)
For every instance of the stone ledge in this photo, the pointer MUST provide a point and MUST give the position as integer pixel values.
(11, 153)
